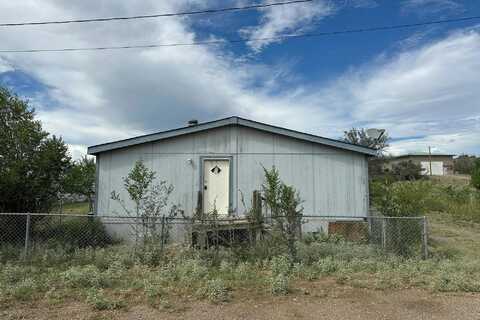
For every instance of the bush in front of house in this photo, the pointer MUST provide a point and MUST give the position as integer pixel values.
(109, 279)
(100, 301)
(215, 290)
(72, 232)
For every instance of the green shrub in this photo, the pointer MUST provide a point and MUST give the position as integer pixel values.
(54, 296)
(456, 275)
(99, 301)
(84, 277)
(10, 273)
(475, 176)
(115, 271)
(335, 247)
(464, 163)
(245, 271)
(215, 290)
(460, 201)
(74, 232)
(406, 170)
(23, 290)
(153, 290)
(305, 272)
(401, 199)
(279, 284)
(226, 266)
(190, 271)
(326, 266)
(280, 265)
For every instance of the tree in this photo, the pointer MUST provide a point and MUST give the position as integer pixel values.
(407, 170)
(476, 174)
(464, 164)
(359, 137)
(285, 206)
(150, 201)
(80, 179)
(32, 163)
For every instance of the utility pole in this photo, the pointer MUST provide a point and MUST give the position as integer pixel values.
(430, 158)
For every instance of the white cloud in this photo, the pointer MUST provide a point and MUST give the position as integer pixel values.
(285, 19)
(95, 97)
(429, 91)
(5, 66)
(103, 96)
(454, 143)
(77, 151)
(432, 7)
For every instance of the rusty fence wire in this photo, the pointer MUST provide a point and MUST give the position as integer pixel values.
(25, 234)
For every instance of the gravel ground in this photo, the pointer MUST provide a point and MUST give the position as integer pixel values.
(312, 301)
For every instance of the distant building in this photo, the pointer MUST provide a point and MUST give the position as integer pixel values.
(439, 164)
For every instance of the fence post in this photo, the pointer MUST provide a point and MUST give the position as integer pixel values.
(27, 236)
(425, 238)
(384, 233)
(370, 222)
(162, 233)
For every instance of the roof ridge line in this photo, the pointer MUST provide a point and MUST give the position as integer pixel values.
(232, 120)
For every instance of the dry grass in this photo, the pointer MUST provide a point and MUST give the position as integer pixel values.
(454, 180)
(74, 208)
(452, 236)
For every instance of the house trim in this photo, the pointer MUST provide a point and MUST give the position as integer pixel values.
(231, 121)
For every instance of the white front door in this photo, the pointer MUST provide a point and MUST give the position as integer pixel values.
(216, 186)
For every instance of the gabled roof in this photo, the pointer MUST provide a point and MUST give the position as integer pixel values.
(231, 121)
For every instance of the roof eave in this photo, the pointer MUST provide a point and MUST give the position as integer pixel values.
(307, 137)
(93, 150)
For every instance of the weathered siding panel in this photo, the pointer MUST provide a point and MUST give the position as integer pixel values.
(330, 181)
(250, 176)
(340, 185)
(296, 170)
(121, 162)
(254, 141)
(175, 169)
(103, 186)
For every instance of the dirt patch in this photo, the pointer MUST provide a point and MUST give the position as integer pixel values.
(313, 300)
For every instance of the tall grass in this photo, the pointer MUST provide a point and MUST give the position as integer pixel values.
(106, 278)
(424, 197)
(462, 202)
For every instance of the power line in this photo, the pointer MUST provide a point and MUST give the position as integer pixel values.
(234, 41)
(160, 15)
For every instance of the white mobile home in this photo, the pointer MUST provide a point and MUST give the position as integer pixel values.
(223, 159)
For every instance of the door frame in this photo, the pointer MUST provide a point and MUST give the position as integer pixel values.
(230, 179)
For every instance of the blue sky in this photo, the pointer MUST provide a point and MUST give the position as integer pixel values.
(421, 84)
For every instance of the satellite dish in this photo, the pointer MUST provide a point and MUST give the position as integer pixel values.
(375, 133)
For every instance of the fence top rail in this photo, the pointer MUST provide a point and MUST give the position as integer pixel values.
(219, 219)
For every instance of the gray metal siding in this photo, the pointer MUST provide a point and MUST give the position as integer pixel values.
(232, 121)
(331, 181)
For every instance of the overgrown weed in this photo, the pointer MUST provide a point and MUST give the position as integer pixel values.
(214, 276)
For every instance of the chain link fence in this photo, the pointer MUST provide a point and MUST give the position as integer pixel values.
(23, 235)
